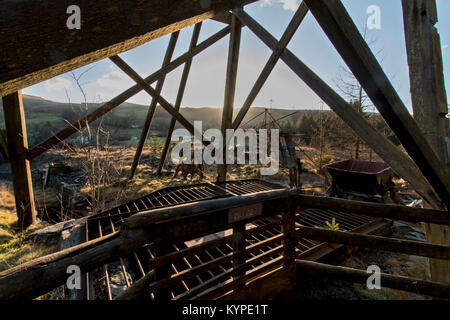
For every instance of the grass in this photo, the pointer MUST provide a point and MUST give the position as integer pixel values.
(14, 248)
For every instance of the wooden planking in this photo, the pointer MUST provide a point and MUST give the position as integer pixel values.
(121, 98)
(151, 111)
(20, 166)
(398, 161)
(37, 45)
(180, 94)
(230, 88)
(341, 30)
(429, 99)
(268, 68)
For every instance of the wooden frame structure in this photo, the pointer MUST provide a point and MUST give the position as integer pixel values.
(21, 66)
(176, 223)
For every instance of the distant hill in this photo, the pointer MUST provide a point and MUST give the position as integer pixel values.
(46, 117)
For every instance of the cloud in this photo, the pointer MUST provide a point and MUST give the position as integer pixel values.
(57, 84)
(445, 46)
(113, 79)
(287, 4)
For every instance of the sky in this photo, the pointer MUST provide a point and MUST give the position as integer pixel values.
(103, 80)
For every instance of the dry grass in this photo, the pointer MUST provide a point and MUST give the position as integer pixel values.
(14, 249)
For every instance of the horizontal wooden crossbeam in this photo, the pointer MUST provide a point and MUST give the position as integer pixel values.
(378, 210)
(430, 288)
(36, 43)
(376, 242)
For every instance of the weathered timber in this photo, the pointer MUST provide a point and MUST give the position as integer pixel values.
(399, 162)
(48, 48)
(288, 228)
(37, 277)
(144, 218)
(20, 167)
(180, 94)
(429, 99)
(152, 92)
(419, 286)
(221, 289)
(230, 88)
(3, 146)
(278, 282)
(121, 98)
(189, 273)
(268, 68)
(390, 211)
(151, 111)
(138, 288)
(341, 30)
(376, 242)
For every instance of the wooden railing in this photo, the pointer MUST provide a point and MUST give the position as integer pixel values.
(194, 220)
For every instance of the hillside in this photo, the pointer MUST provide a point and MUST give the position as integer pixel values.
(45, 117)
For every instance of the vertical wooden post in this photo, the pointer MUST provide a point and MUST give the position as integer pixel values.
(163, 272)
(239, 243)
(288, 227)
(17, 148)
(180, 94)
(429, 100)
(151, 111)
(230, 88)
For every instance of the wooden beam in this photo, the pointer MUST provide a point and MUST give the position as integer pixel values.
(223, 17)
(375, 242)
(3, 146)
(230, 88)
(398, 161)
(144, 218)
(180, 94)
(20, 166)
(341, 30)
(151, 111)
(152, 92)
(37, 45)
(390, 211)
(429, 99)
(430, 288)
(270, 65)
(121, 98)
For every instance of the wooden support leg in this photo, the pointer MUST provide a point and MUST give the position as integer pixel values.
(181, 89)
(152, 109)
(429, 100)
(162, 272)
(288, 227)
(239, 243)
(20, 166)
(230, 87)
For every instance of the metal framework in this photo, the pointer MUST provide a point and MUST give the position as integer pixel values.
(21, 66)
